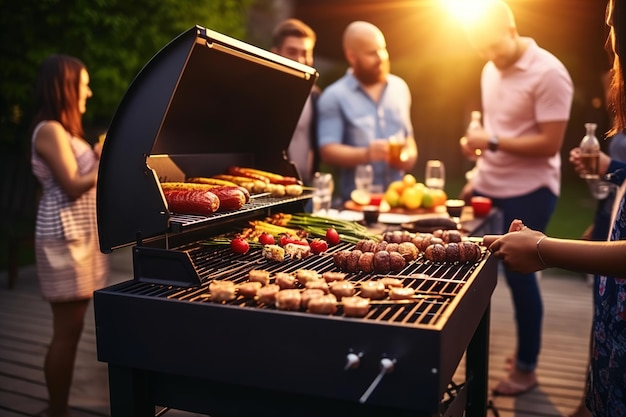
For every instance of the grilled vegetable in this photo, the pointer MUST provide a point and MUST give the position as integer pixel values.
(318, 246)
(239, 245)
(332, 236)
(271, 176)
(192, 201)
(251, 184)
(210, 181)
(266, 239)
(293, 190)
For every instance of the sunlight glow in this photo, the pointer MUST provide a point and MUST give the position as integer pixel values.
(465, 10)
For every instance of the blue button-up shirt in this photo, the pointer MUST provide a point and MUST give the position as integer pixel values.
(348, 115)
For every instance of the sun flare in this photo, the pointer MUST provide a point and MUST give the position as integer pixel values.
(465, 10)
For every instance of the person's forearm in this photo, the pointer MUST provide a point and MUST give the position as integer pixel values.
(602, 258)
(344, 155)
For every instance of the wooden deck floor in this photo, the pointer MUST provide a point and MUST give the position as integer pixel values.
(25, 331)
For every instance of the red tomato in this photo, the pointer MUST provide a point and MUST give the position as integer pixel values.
(332, 236)
(266, 239)
(318, 246)
(239, 245)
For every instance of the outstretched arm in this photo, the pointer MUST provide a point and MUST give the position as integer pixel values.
(528, 250)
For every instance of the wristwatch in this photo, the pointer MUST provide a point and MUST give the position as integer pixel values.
(493, 143)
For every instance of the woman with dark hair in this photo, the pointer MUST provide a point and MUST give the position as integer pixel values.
(526, 250)
(70, 265)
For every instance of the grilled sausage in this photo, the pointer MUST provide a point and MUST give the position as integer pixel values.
(197, 202)
(288, 300)
(271, 176)
(342, 289)
(381, 262)
(355, 306)
(231, 197)
(408, 250)
(285, 281)
(396, 262)
(366, 262)
(436, 253)
(309, 294)
(403, 293)
(352, 262)
(326, 304)
(373, 289)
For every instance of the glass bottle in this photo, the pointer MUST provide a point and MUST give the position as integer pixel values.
(475, 122)
(590, 152)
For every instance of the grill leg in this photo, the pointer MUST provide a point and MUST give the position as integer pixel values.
(477, 368)
(129, 393)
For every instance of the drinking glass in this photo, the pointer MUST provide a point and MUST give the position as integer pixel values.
(363, 177)
(600, 189)
(396, 147)
(323, 187)
(435, 176)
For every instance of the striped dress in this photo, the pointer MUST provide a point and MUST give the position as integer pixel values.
(70, 265)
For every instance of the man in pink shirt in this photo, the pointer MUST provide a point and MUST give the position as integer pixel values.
(526, 96)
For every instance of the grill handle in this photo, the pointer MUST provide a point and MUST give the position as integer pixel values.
(386, 367)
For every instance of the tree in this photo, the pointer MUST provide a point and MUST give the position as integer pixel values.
(114, 38)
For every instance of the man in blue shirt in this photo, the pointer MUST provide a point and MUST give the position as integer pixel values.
(361, 112)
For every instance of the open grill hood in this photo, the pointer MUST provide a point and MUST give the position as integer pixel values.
(202, 103)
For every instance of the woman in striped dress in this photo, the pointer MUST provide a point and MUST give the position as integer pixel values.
(70, 265)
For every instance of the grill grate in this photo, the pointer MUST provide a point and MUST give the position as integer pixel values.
(179, 222)
(436, 284)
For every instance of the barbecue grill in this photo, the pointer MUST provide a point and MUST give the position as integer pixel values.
(203, 103)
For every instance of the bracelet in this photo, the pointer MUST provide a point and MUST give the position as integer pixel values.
(539, 253)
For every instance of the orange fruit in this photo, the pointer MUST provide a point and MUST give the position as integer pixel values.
(439, 196)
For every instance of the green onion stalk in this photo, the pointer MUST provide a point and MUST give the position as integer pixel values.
(316, 226)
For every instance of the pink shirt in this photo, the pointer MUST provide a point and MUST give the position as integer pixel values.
(537, 88)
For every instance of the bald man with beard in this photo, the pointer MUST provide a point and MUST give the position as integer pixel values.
(358, 113)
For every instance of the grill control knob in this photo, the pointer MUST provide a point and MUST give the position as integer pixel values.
(386, 367)
(353, 361)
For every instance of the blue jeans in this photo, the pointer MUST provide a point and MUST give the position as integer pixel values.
(535, 210)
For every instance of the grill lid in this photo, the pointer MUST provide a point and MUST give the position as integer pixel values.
(204, 95)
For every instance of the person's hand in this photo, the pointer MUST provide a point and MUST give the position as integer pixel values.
(477, 140)
(379, 150)
(518, 249)
(97, 148)
(603, 161)
(467, 152)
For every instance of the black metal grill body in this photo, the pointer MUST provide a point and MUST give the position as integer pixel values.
(177, 331)
(203, 103)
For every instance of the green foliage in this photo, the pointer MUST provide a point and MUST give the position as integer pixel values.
(114, 38)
